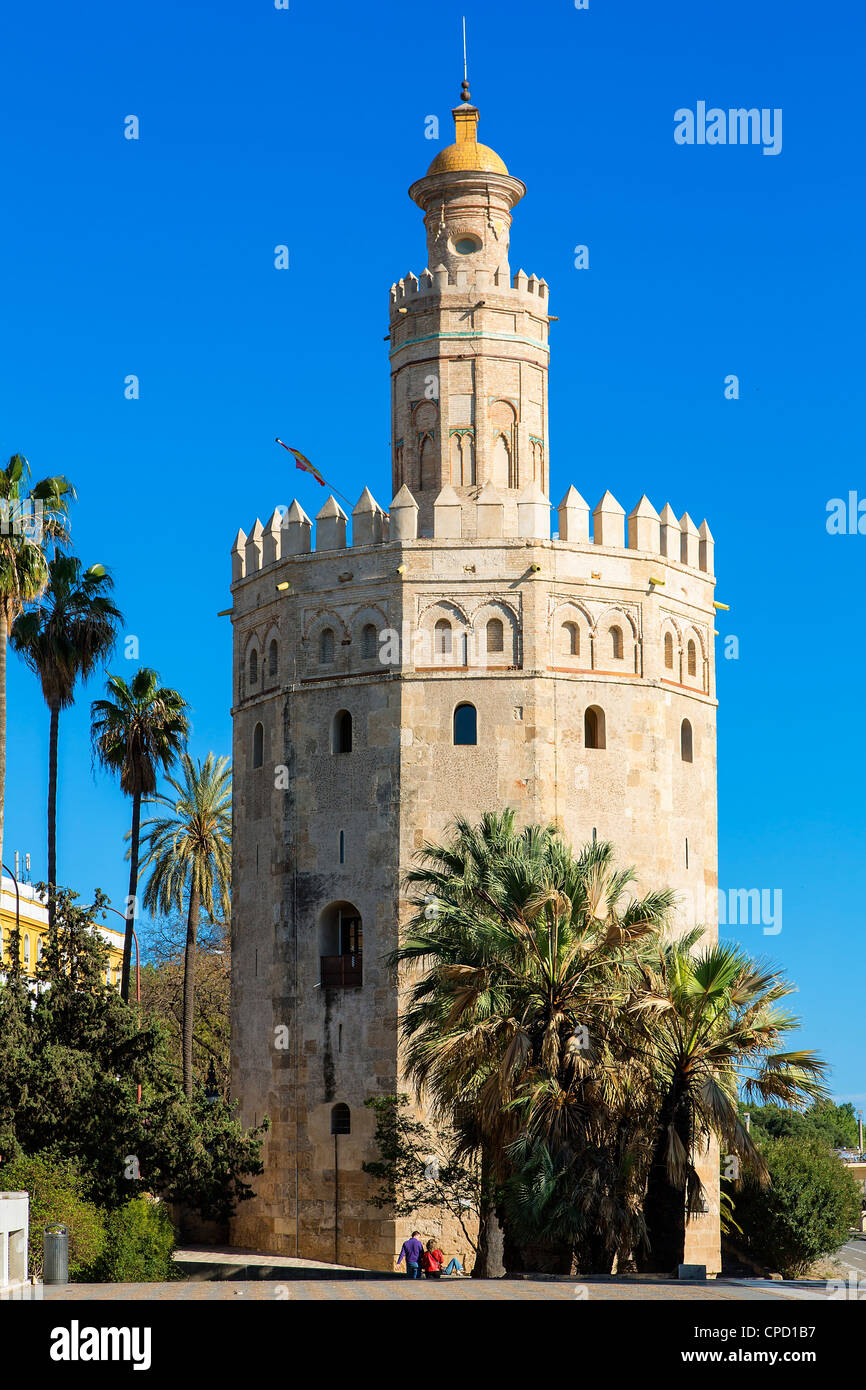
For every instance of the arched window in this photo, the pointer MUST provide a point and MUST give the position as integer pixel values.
(39, 949)
(594, 727)
(616, 643)
(258, 745)
(692, 658)
(341, 943)
(686, 741)
(341, 739)
(273, 658)
(254, 667)
(368, 642)
(503, 466)
(495, 636)
(341, 1120)
(669, 651)
(326, 646)
(26, 951)
(570, 639)
(442, 637)
(427, 464)
(465, 724)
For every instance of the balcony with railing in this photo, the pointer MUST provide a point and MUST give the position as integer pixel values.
(342, 972)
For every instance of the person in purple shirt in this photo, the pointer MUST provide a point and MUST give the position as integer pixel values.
(413, 1250)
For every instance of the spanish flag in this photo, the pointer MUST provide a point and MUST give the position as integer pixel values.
(303, 463)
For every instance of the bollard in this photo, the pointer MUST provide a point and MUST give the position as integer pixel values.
(56, 1261)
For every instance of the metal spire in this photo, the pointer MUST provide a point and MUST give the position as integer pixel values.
(465, 89)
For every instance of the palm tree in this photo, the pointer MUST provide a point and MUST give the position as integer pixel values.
(23, 560)
(191, 856)
(136, 733)
(711, 1025)
(528, 957)
(63, 639)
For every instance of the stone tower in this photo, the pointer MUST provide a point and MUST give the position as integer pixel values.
(453, 658)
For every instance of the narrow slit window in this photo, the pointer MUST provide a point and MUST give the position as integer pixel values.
(686, 742)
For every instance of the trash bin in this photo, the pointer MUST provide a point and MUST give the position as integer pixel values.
(55, 1266)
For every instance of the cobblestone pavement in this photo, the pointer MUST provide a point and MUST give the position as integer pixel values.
(450, 1290)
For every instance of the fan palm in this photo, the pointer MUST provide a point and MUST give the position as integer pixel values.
(190, 854)
(138, 731)
(527, 953)
(23, 560)
(63, 639)
(711, 1024)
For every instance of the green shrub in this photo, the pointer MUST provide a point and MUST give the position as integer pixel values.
(806, 1213)
(139, 1244)
(56, 1188)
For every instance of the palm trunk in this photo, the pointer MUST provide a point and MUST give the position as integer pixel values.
(665, 1204)
(52, 810)
(4, 636)
(487, 1221)
(189, 986)
(130, 901)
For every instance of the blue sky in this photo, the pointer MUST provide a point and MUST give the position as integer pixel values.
(305, 127)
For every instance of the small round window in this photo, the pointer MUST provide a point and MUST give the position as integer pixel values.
(465, 245)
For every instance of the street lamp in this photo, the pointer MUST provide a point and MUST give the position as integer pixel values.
(211, 1087)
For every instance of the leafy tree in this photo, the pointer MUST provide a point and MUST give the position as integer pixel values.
(806, 1211)
(514, 1028)
(711, 1024)
(190, 855)
(162, 993)
(70, 1062)
(58, 1194)
(136, 733)
(64, 638)
(418, 1170)
(23, 562)
(836, 1125)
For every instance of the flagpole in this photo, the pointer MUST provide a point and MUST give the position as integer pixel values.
(315, 474)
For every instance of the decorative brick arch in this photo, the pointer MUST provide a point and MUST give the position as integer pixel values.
(505, 470)
(697, 679)
(610, 653)
(431, 651)
(364, 617)
(571, 628)
(320, 621)
(483, 651)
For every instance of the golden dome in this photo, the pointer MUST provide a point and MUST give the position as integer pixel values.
(467, 155)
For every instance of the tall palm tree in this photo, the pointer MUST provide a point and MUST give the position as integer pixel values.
(138, 731)
(711, 1025)
(190, 852)
(24, 561)
(63, 639)
(527, 952)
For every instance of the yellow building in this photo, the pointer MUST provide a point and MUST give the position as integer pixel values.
(33, 925)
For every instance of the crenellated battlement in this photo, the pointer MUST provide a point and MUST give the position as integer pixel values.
(438, 282)
(290, 532)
